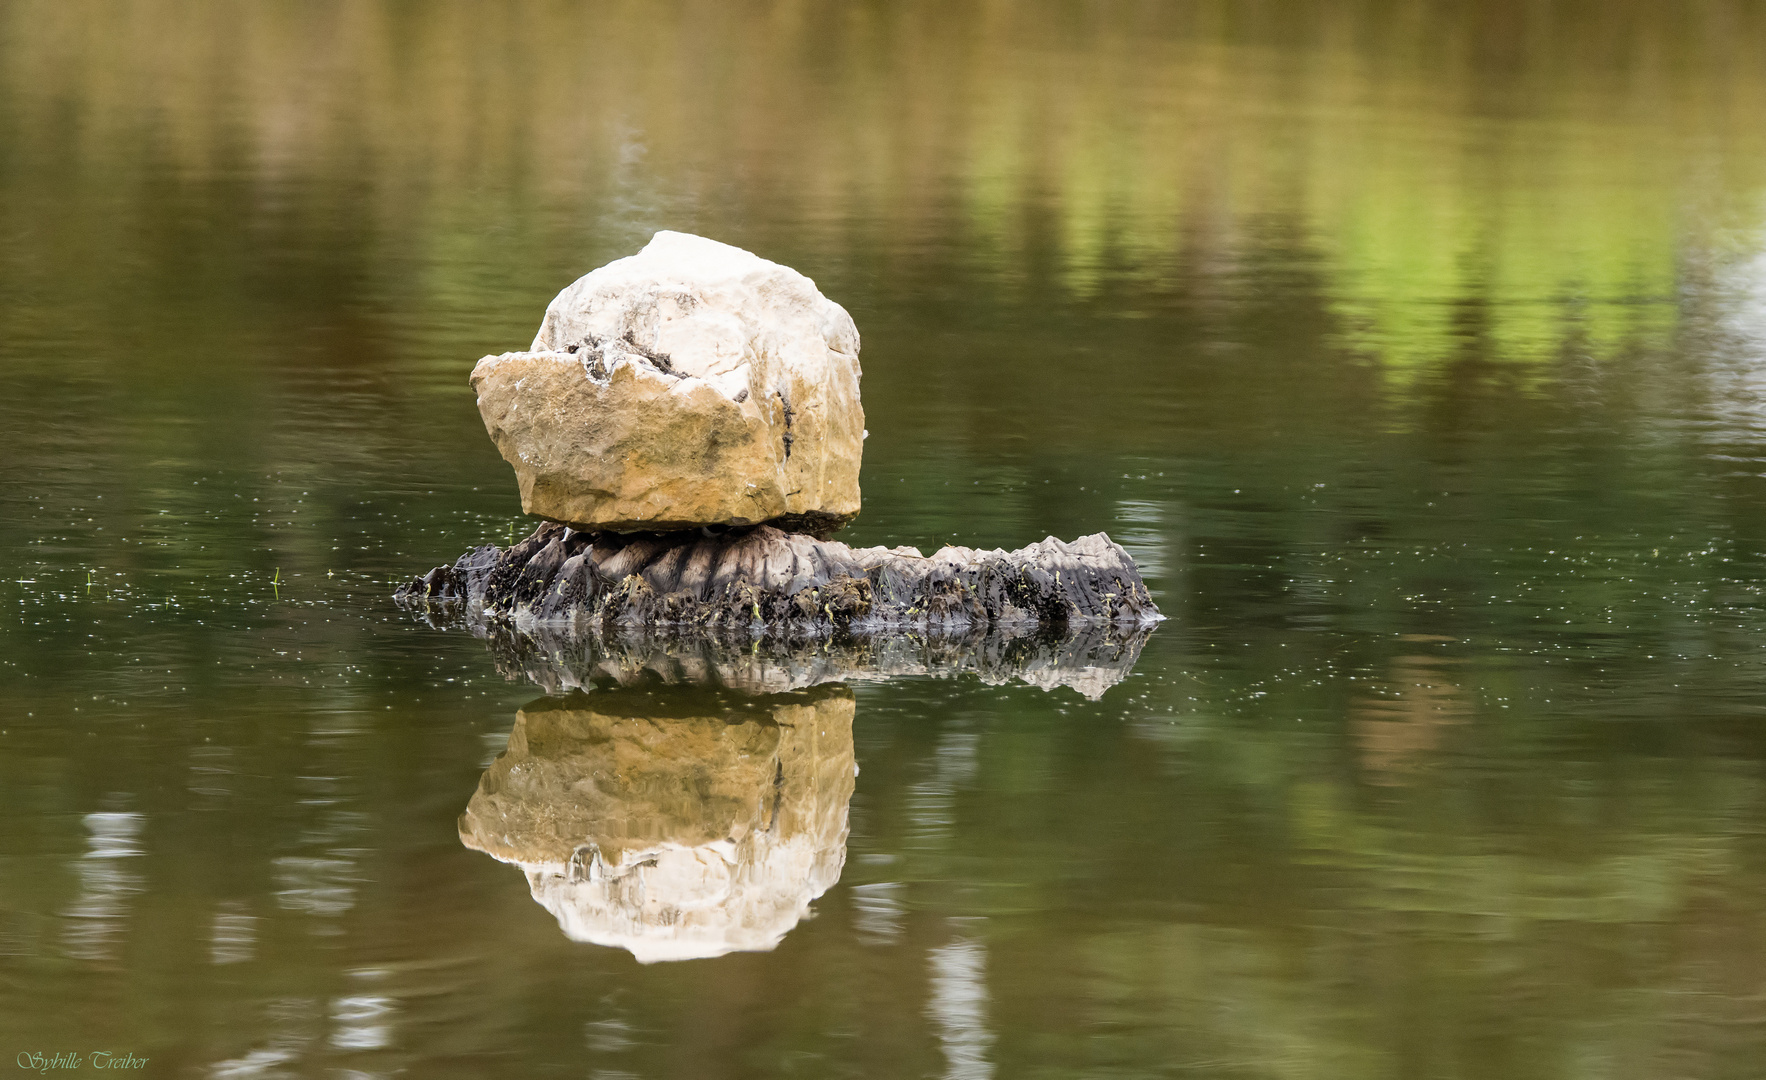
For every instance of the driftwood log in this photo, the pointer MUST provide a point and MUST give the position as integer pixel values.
(772, 583)
(762, 610)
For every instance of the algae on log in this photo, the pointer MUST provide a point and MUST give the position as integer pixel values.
(771, 583)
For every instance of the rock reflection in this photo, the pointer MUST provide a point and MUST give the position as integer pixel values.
(676, 823)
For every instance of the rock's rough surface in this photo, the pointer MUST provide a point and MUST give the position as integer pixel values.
(693, 383)
(673, 825)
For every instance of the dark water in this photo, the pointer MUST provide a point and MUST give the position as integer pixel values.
(1417, 351)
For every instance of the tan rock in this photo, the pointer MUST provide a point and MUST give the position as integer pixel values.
(673, 824)
(693, 383)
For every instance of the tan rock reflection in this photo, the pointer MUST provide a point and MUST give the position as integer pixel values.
(675, 823)
(1397, 732)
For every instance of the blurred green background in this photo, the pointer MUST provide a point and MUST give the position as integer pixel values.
(1415, 349)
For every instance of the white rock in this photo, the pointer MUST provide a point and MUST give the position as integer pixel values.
(693, 383)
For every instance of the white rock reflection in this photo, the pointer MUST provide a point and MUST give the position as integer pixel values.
(959, 1009)
(106, 883)
(675, 824)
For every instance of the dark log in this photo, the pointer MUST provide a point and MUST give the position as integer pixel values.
(763, 610)
(764, 581)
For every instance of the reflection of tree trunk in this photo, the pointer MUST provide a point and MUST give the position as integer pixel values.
(1396, 732)
(675, 826)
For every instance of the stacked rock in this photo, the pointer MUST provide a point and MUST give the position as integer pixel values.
(688, 420)
(691, 384)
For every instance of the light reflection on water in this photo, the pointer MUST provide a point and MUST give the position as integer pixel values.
(106, 882)
(959, 1008)
(1414, 350)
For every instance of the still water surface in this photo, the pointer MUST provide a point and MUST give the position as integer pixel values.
(1417, 351)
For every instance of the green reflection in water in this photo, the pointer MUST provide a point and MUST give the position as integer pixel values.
(1413, 348)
